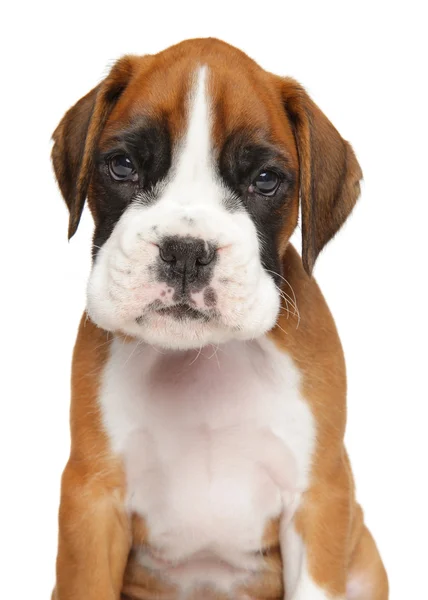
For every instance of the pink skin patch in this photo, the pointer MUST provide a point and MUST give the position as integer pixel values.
(357, 587)
(205, 298)
(163, 292)
(198, 299)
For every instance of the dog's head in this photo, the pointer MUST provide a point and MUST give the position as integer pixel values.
(193, 162)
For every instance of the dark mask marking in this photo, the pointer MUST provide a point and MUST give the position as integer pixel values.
(241, 160)
(147, 142)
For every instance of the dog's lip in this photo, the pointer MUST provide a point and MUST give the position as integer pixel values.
(181, 311)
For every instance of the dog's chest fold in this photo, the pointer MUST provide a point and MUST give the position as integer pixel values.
(215, 444)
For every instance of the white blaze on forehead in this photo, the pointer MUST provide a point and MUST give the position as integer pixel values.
(195, 154)
(194, 170)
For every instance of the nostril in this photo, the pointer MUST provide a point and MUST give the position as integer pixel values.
(206, 258)
(167, 256)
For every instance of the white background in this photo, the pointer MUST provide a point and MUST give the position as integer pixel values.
(365, 65)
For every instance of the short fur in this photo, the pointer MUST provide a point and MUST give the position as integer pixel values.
(317, 546)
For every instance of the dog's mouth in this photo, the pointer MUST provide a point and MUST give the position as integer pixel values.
(179, 312)
(182, 311)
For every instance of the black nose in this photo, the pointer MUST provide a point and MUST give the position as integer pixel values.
(186, 253)
(187, 259)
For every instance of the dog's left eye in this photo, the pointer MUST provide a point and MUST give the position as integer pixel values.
(266, 183)
(121, 168)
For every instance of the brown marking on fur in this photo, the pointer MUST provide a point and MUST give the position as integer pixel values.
(268, 584)
(93, 525)
(328, 519)
(139, 530)
(271, 534)
(329, 172)
(367, 564)
(139, 583)
(77, 135)
(160, 89)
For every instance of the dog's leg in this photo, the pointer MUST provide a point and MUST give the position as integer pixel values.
(314, 546)
(94, 529)
(94, 536)
(367, 578)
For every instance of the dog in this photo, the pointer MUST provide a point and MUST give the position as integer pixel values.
(208, 382)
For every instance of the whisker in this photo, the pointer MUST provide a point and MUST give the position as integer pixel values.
(197, 356)
(132, 352)
(293, 301)
(283, 330)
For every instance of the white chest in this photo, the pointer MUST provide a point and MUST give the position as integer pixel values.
(215, 444)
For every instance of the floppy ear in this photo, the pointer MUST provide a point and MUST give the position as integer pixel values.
(329, 172)
(77, 135)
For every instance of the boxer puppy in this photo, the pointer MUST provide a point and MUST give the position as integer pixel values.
(208, 388)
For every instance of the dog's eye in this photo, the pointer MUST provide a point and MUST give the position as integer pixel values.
(266, 183)
(121, 168)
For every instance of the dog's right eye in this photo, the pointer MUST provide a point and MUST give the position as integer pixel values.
(121, 168)
(266, 183)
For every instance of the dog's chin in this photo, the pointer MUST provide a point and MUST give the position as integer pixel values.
(173, 332)
(185, 328)
(180, 327)
(177, 333)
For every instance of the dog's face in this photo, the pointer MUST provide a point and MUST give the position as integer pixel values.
(193, 161)
(186, 242)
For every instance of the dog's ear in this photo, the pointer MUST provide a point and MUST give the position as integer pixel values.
(77, 135)
(329, 172)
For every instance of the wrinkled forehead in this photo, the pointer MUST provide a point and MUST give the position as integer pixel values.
(227, 106)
